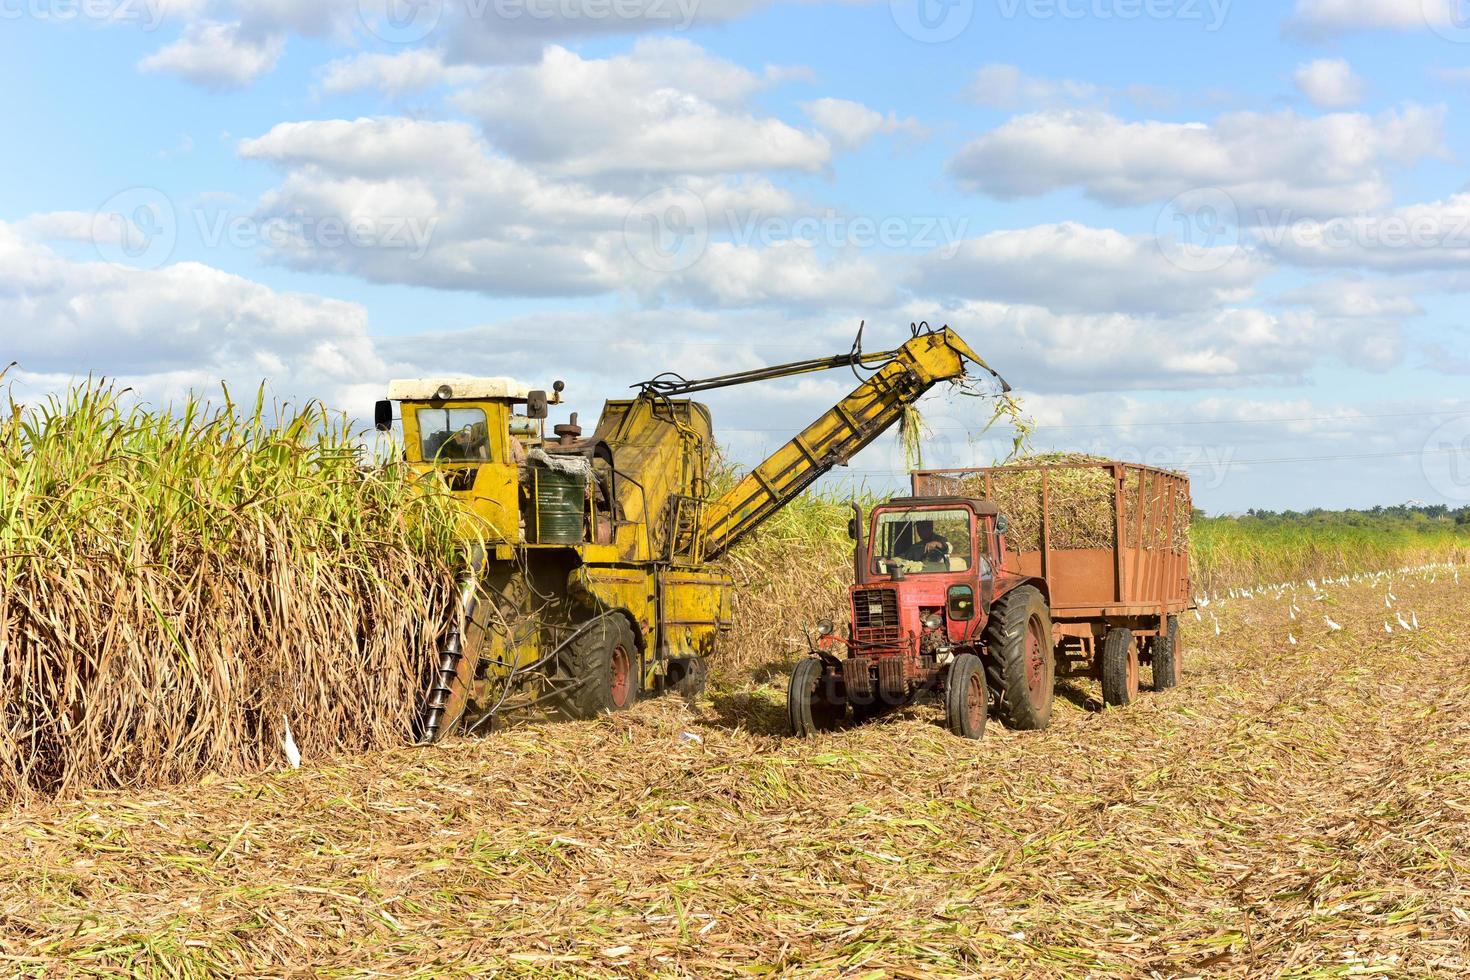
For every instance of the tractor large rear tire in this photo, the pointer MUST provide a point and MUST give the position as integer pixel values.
(1167, 656)
(1119, 668)
(604, 665)
(1021, 664)
(966, 698)
(809, 705)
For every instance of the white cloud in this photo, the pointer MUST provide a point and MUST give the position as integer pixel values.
(1072, 268)
(175, 328)
(1324, 18)
(1329, 83)
(395, 74)
(218, 55)
(1226, 348)
(666, 107)
(1008, 87)
(851, 124)
(1414, 238)
(1265, 161)
(496, 226)
(1358, 298)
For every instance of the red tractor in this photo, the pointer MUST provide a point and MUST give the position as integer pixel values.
(941, 605)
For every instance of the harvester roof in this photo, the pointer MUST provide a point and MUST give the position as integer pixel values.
(428, 389)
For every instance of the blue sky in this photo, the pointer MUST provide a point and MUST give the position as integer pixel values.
(1228, 238)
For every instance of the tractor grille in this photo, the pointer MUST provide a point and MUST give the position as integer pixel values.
(875, 616)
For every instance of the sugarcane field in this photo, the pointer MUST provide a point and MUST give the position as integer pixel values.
(755, 488)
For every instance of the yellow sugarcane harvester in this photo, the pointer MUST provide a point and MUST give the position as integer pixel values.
(590, 581)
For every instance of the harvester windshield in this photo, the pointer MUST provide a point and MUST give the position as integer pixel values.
(454, 434)
(923, 541)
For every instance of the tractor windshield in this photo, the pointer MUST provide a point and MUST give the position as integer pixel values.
(453, 434)
(922, 541)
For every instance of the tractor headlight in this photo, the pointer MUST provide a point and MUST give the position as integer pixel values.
(933, 621)
(825, 627)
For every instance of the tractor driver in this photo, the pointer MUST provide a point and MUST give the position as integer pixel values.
(929, 547)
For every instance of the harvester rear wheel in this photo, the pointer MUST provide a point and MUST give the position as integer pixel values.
(809, 704)
(1021, 665)
(966, 698)
(604, 664)
(1120, 668)
(1167, 659)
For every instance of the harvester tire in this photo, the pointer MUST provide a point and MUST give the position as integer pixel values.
(1020, 665)
(604, 664)
(966, 697)
(809, 705)
(1119, 668)
(1166, 656)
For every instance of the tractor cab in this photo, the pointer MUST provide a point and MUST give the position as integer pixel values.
(925, 574)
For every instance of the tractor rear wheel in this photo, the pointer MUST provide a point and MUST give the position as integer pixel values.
(1119, 668)
(1167, 659)
(809, 704)
(604, 667)
(1021, 666)
(966, 698)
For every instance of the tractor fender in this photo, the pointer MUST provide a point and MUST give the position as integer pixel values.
(1011, 585)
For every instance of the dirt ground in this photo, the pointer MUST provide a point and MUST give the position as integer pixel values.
(1292, 810)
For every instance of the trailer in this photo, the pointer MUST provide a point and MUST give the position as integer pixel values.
(986, 583)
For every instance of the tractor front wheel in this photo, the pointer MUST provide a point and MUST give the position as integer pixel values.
(1119, 668)
(966, 697)
(809, 702)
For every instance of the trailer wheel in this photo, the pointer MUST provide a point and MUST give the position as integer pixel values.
(1167, 657)
(604, 664)
(1021, 667)
(1119, 668)
(966, 698)
(809, 706)
(688, 676)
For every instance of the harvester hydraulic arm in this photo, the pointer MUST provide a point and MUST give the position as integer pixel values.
(901, 378)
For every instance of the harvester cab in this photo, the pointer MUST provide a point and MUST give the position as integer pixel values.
(476, 433)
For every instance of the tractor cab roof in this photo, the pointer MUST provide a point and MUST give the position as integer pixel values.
(456, 389)
(983, 508)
